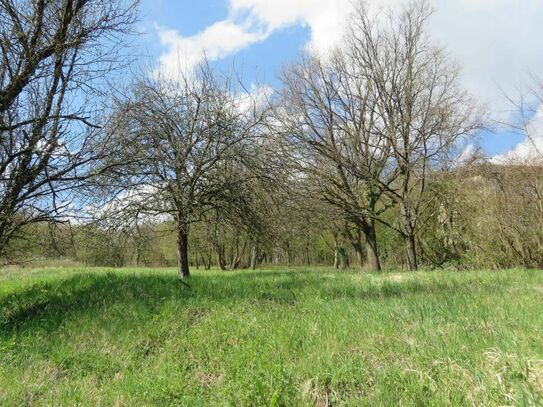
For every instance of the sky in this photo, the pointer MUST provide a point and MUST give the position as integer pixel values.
(496, 42)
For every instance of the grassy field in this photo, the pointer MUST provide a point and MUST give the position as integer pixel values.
(279, 337)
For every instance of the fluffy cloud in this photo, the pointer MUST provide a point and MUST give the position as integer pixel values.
(496, 41)
(531, 149)
(217, 41)
(325, 18)
(251, 21)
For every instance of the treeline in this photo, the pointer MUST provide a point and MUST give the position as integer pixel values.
(479, 216)
(355, 161)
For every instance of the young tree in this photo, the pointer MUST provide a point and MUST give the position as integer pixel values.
(56, 55)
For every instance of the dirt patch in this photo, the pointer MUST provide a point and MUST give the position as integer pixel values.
(208, 380)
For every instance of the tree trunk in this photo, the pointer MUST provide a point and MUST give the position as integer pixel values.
(355, 239)
(183, 251)
(411, 247)
(307, 254)
(238, 254)
(254, 257)
(409, 235)
(372, 249)
(345, 261)
(220, 257)
(359, 254)
(206, 261)
(138, 255)
(336, 251)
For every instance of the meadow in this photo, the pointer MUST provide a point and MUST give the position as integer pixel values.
(274, 337)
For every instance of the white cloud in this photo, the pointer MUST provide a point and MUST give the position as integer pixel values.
(251, 21)
(496, 41)
(254, 98)
(325, 18)
(467, 154)
(531, 148)
(217, 41)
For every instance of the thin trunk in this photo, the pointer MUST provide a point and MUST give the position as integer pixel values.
(234, 251)
(344, 258)
(254, 256)
(410, 239)
(336, 251)
(182, 251)
(372, 249)
(359, 254)
(355, 239)
(236, 261)
(411, 247)
(220, 257)
(207, 263)
(336, 257)
(138, 254)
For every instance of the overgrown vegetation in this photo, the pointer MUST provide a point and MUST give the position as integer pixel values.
(278, 337)
(482, 216)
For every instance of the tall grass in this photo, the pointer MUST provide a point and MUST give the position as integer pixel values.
(277, 337)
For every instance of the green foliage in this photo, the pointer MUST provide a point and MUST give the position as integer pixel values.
(97, 247)
(279, 337)
(479, 217)
(40, 241)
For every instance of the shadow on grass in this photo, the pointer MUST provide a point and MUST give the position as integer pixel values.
(47, 305)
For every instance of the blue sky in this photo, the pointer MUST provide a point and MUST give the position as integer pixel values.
(260, 62)
(495, 41)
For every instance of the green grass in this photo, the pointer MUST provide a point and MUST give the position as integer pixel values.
(276, 337)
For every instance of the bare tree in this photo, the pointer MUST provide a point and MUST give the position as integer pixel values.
(422, 109)
(56, 57)
(179, 141)
(331, 117)
(374, 119)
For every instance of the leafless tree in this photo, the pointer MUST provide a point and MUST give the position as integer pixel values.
(372, 120)
(56, 58)
(330, 116)
(422, 109)
(180, 141)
